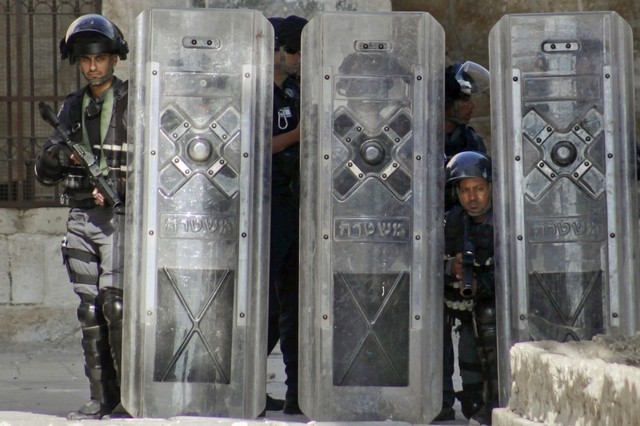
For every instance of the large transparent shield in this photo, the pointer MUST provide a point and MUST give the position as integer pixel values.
(197, 213)
(371, 220)
(565, 183)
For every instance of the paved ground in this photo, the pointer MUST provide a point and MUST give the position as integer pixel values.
(39, 385)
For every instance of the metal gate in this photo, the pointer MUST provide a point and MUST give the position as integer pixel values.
(31, 71)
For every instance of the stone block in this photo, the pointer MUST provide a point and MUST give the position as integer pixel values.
(505, 417)
(9, 221)
(57, 288)
(27, 260)
(579, 383)
(45, 221)
(5, 273)
(30, 324)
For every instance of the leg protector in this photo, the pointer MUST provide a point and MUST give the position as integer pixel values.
(110, 300)
(98, 365)
(471, 370)
(448, 360)
(485, 326)
(471, 400)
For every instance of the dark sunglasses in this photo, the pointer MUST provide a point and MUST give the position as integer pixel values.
(290, 50)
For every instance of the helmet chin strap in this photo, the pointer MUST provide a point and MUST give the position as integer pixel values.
(99, 81)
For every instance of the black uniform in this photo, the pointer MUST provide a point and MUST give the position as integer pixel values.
(463, 138)
(284, 262)
(476, 314)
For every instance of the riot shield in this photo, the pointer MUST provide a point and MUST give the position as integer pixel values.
(565, 180)
(197, 213)
(371, 217)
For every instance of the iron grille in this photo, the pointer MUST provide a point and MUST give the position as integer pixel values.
(31, 71)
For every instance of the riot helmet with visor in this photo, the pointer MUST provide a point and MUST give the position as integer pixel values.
(463, 79)
(92, 34)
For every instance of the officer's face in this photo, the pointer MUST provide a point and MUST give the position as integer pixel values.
(97, 69)
(465, 108)
(461, 111)
(475, 195)
(289, 61)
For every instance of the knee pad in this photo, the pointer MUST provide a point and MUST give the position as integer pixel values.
(111, 302)
(484, 316)
(86, 312)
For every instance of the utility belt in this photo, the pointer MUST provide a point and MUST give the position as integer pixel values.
(78, 190)
(456, 306)
(67, 200)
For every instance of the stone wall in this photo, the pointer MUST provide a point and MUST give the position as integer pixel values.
(36, 299)
(467, 24)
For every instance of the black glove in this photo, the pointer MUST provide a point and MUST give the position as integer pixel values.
(63, 154)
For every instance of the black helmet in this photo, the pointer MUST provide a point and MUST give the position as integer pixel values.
(275, 21)
(462, 79)
(288, 32)
(92, 34)
(468, 164)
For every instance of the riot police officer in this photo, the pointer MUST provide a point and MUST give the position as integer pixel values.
(469, 269)
(285, 184)
(462, 80)
(94, 116)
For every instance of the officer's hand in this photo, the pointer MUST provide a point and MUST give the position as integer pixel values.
(98, 197)
(74, 160)
(62, 153)
(456, 266)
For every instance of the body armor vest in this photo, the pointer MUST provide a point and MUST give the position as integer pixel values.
(111, 153)
(481, 237)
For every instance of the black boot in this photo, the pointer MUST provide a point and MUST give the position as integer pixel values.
(483, 417)
(470, 402)
(98, 363)
(91, 410)
(446, 414)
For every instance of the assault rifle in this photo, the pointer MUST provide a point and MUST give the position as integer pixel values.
(86, 158)
(468, 255)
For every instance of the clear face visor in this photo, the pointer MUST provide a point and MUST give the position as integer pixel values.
(91, 24)
(473, 78)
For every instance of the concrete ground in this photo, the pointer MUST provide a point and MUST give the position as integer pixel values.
(40, 384)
